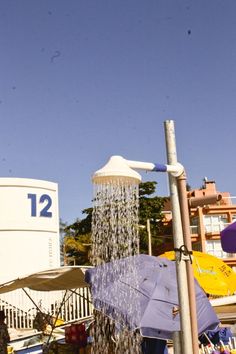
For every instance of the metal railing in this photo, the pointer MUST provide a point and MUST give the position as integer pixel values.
(20, 310)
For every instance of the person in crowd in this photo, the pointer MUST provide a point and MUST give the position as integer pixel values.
(154, 346)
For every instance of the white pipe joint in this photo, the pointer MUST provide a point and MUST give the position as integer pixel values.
(176, 170)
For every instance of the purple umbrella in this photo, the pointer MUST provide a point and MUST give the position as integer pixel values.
(140, 292)
(228, 238)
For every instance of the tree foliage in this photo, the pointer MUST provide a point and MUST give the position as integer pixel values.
(77, 236)
(77, 239)
(150, 208)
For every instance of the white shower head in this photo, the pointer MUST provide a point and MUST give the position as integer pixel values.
(116, 169)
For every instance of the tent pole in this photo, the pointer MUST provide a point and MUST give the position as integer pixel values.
(31, 300)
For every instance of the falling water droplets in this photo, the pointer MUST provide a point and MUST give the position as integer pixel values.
(115, 236)
(114, 222)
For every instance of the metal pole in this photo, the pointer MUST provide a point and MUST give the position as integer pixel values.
(186, 335)
(181, 180)
(149, 238)
(177, 343)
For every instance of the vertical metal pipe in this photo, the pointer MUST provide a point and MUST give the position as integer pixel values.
(201, 229)
(177, 343)
(149, 237)
(181, 180)
(181, 272)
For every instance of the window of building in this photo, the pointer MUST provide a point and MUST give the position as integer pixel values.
(194, 226)
(214, 248)
(215, 223)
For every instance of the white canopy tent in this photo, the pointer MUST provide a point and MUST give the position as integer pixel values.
(62, 278)
(69, 279)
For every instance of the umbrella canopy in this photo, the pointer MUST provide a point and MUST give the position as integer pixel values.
(213, 275)
(62, 278)
(141, 293)
(228, 238)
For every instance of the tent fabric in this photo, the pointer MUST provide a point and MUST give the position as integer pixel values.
(62, 278)
(150, 283)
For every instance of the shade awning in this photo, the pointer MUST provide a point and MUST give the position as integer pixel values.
(62, 278)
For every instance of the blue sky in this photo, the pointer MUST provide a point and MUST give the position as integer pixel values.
(83, 80)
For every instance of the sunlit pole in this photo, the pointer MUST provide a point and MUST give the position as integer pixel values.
(181, 271)
(149, 237)
(181, 180)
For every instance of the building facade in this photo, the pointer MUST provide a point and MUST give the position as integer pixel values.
(207, 219)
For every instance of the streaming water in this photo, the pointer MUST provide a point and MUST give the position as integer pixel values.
(115, 237)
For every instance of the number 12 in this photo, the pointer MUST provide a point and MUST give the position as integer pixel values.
(44, 198)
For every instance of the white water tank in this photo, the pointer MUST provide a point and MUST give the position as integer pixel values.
(29, 227)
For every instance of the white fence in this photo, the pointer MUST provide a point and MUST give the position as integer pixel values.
(20, 310)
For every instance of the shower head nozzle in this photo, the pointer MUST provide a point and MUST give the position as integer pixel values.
(116, 168)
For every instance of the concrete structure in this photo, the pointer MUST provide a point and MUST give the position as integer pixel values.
(207, 221)
(29, 227)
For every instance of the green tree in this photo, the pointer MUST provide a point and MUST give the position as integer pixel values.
(150, 208)
(77, 239)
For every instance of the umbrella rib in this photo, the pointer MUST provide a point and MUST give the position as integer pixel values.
(198, 267)
(147, 296)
